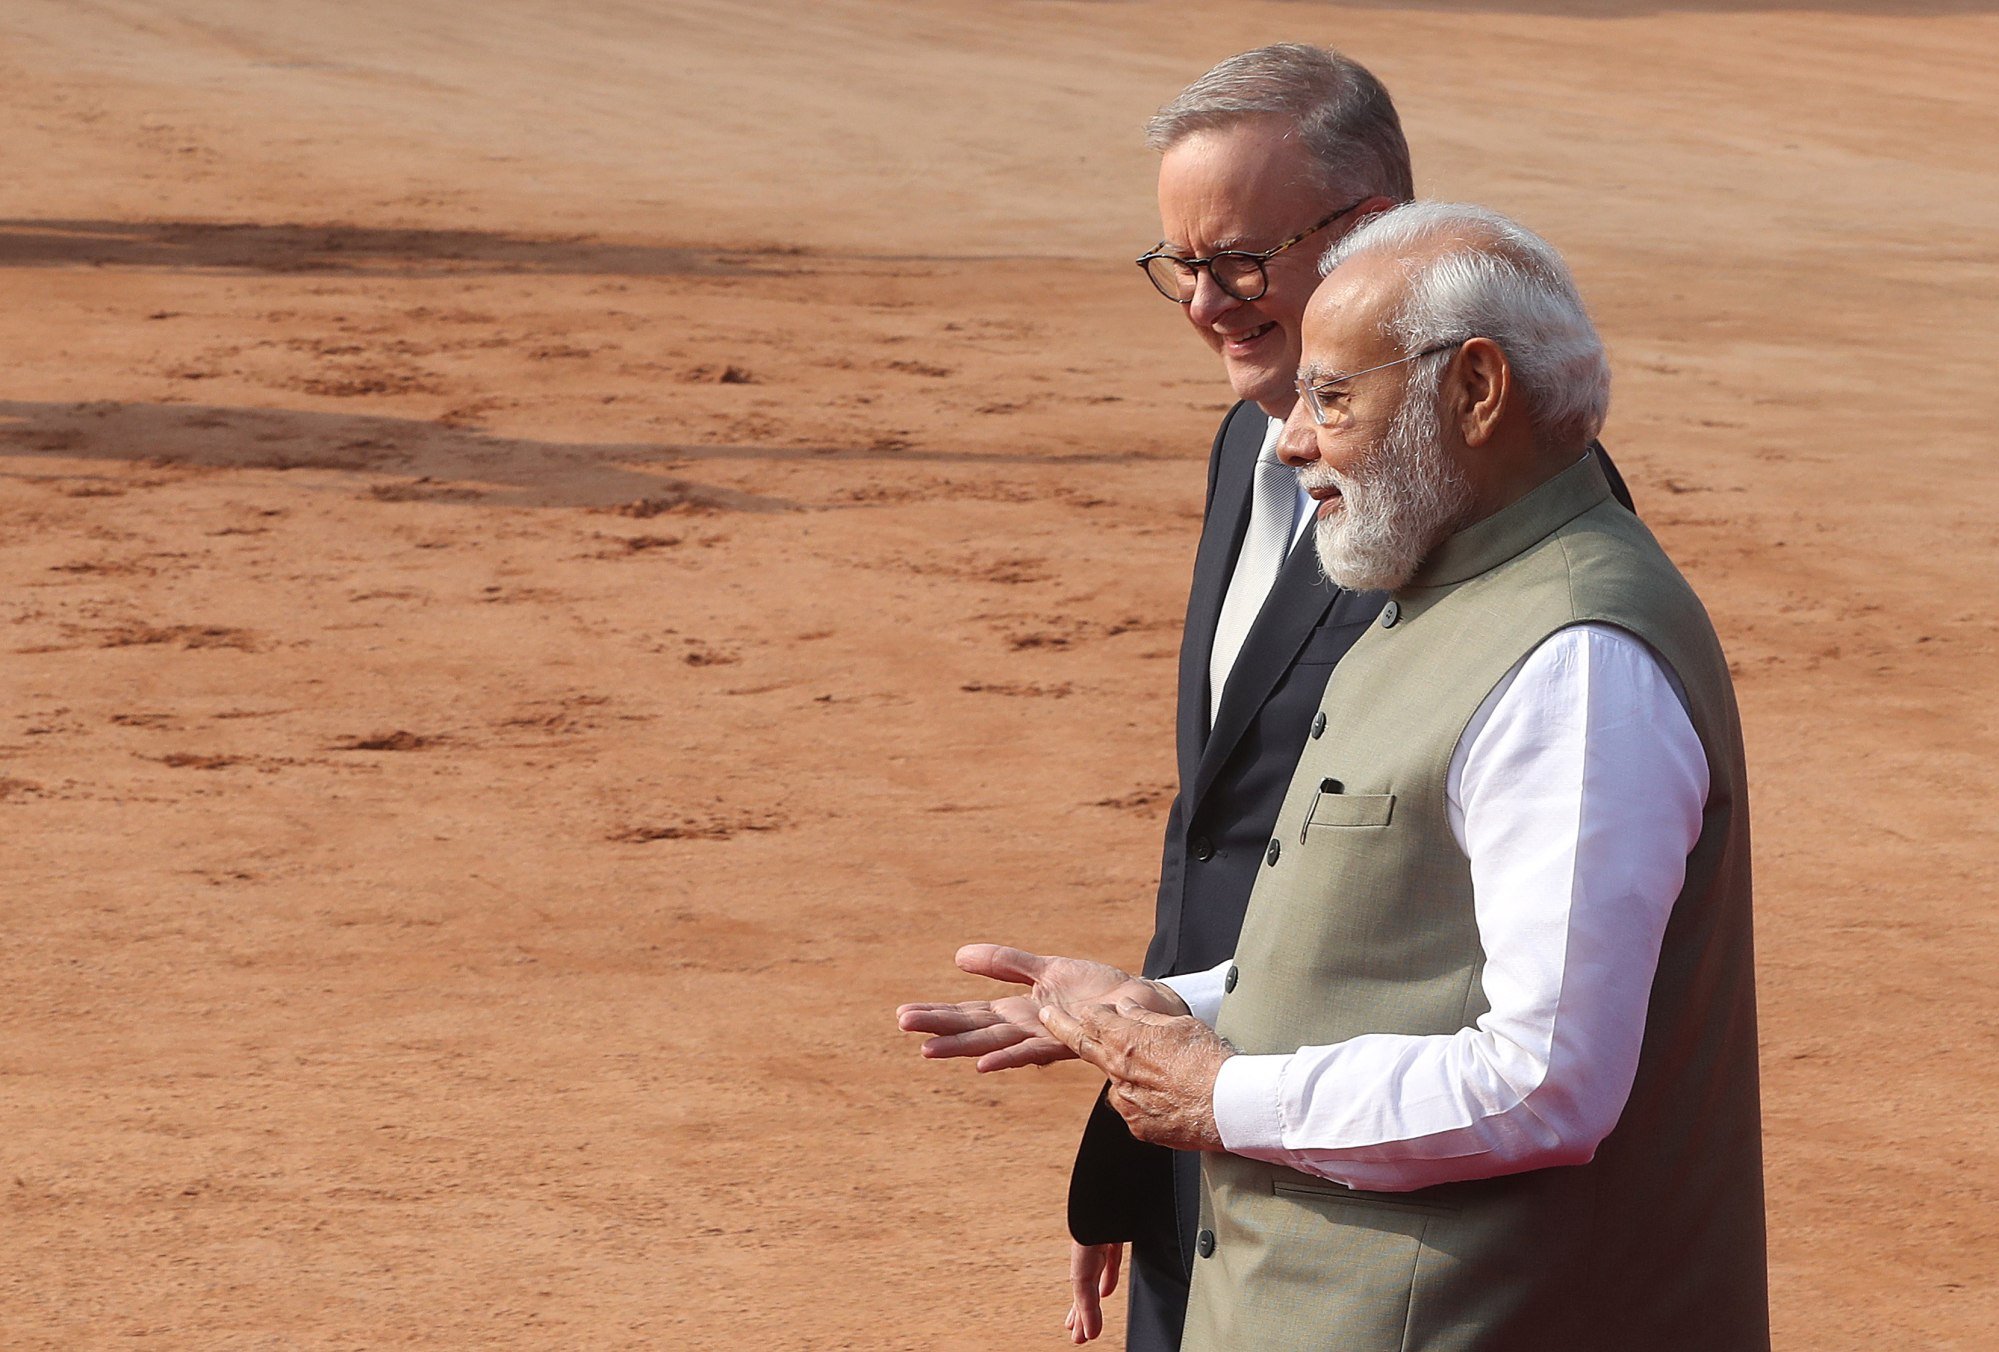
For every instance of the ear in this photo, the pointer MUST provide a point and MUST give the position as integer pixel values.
(1480, 384)
(1373, 206)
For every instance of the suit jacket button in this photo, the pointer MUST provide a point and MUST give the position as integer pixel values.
(1205, 1244)
(1228, 982)
(1319, 723)
(1274, 850)
(1203, 849)
(1390, 613)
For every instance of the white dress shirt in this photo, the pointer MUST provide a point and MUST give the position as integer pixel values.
(1576, 794)
(1239, 613)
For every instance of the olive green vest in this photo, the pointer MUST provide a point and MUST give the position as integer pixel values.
(1362, 923)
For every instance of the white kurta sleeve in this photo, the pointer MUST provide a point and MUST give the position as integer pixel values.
(1576, 794)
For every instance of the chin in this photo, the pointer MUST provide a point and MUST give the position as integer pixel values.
(1262, 387)
(1360, 575)
(1381, 556)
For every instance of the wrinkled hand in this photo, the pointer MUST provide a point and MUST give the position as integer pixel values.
(1093, 1272)
(1007, 1033)
(1162, 1067)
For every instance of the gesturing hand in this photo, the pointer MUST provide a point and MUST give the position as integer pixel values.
(1162, 1068)
(1007, 1032)
(1093, 1271)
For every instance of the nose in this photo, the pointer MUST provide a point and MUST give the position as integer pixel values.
(1210, 301)
(1298, 443)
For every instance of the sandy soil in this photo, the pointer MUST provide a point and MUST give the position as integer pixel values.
(556, 559)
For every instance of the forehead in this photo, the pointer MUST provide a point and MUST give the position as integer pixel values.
(1345, 321)
(1245, 184)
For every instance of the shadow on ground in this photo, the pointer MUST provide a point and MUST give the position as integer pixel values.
(257, 248)
(252, 247)
(419, 459)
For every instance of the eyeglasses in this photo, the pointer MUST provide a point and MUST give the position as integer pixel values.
(1238, 272)
(1316, 394)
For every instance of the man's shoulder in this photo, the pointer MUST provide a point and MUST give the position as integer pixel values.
(1605, 566)
(1243, 419)
(1612, 548)
(1243, 424)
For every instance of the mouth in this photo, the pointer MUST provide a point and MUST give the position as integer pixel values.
(1328, 497)
(1236, 344)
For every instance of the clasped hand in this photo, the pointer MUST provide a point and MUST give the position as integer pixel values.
(1161, 1061)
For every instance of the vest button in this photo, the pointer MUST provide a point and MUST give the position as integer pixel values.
(1228, 982)
(1390, 613)
(1203, 849)
(1319, 723)
(1204, 1245)
(1275, 849)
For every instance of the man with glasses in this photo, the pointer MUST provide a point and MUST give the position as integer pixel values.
(1479, 1073)
(1265, 162)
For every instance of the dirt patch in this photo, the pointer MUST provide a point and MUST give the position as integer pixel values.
(399, 740)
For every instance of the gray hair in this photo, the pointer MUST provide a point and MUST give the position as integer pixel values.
(1343, 114)
(1474, 273)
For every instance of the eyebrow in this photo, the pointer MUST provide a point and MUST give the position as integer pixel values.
(1223, 245)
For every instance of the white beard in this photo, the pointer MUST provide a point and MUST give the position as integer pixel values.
(1407, 497)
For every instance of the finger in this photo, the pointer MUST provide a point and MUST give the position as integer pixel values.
(1137, 1013)
(1075, 1031)
(1036, 1051)
(1063, 1026)
(1099, 1023)
(1086, 1262)
(1142, 1125)
(1085, 1268)
(1114, 1261)
(977, 1042)
(1140, 1117)
(960, 1018)
(1002, 963)
(954, 1049)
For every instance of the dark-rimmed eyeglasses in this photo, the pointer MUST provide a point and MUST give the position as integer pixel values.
(1238, 272)
(1328, 405)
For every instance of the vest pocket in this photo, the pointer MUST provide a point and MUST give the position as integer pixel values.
(1351, 809)
(1339, 1196)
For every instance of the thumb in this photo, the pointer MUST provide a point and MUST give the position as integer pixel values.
(1073, 1032)
(1062, 1025)
(1002, 963)
(1137, 1013)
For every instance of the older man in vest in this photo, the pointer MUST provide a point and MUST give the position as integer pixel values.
(1481, 1075)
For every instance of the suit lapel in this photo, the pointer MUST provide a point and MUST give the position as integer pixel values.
(1297, 603)
(1221, 536)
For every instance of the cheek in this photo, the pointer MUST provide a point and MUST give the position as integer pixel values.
(1286, 303)
(1343, 450)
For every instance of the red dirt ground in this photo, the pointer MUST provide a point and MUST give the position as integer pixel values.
(558, 559)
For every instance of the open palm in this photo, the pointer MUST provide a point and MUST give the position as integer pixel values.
(1006, 1033)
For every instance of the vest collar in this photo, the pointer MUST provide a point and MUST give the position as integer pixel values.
(1513, 530)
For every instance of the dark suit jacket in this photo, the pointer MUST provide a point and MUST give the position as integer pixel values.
(1232, 783)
